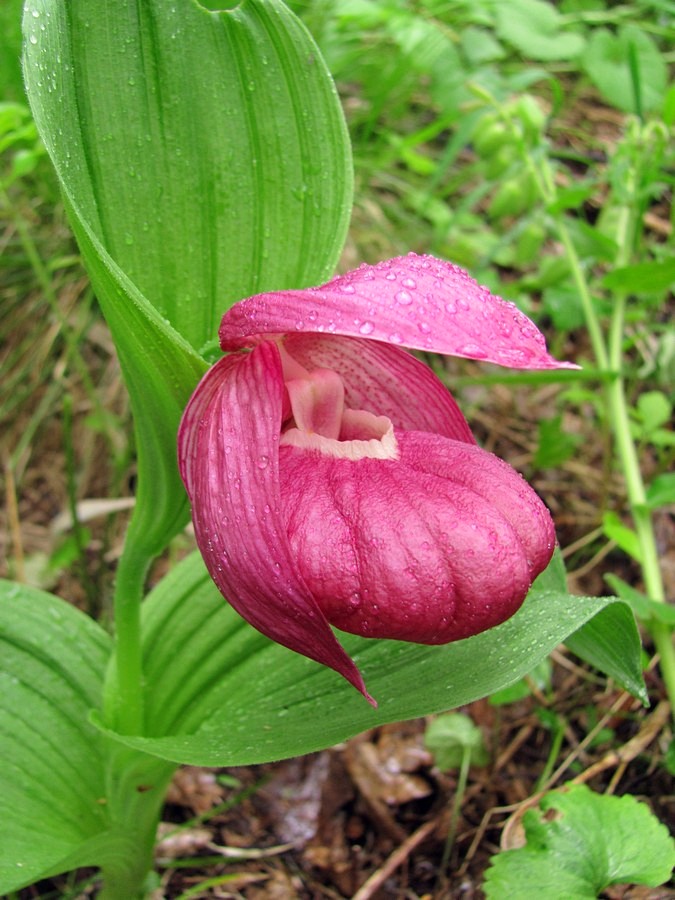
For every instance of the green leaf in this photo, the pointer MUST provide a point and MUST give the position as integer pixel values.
(624, 536)
(203, 157)
(206, 151)
(219, 693)
(69, 797)
(450, 737)
(661, 491)
(654, 409)
(10, 50)
(627, 68)
(561, 302)
(608, 642)
(536, 29)
(642, 278)
(52, 659)
(579, 843)
(555, 445)
(644, 608)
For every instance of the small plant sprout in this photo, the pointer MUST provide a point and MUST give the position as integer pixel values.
(455, 743)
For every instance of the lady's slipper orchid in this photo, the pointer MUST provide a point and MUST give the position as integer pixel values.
(333, 478)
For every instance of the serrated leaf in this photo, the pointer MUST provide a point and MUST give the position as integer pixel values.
(219, 693)
(52, 777)
(203, 157)
(586, 843)
(536, 29)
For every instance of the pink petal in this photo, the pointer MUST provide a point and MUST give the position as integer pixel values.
(435, 547)
(416, 301)
(228, 448)
(384, 379)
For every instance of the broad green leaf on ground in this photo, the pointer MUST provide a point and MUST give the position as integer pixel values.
(627, 68)
(537, 30)
(579, 843)
(52, 659)
(219, 693)
(69, 797)
(203, 157)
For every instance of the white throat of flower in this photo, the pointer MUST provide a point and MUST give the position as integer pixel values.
(321, 421)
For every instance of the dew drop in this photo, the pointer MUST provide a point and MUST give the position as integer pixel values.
(396, 338)
(32, 39)
(263, 462)
(347, 288)
(403, 297)
(451, 307)
(367, 328)
(409, 283)
(424, 327)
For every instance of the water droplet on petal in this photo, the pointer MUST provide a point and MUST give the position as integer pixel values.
(396, 338)
(424, 327)
(451, 307)
(367, 328)
(403, 297)
(263, 462)
(409, 283)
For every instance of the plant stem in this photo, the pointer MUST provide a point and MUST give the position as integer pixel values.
(609, 357)
(456, 805)
(136, 787)
(123, 698)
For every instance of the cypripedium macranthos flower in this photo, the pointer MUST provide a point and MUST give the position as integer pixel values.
(333, 478)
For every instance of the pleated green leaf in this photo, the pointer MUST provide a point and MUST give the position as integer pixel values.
(219, 693)
(52, 659)
(203, 157)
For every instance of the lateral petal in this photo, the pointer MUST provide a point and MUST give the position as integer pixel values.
(228, 450)
(416, 301)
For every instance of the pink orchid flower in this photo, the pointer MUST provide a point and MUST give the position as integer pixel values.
(333, 478)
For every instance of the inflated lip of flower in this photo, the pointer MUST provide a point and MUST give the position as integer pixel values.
(333, 478)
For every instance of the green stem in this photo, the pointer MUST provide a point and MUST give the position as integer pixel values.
(609, 357)
(123, 698)
(135, 795)
(456, 805)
